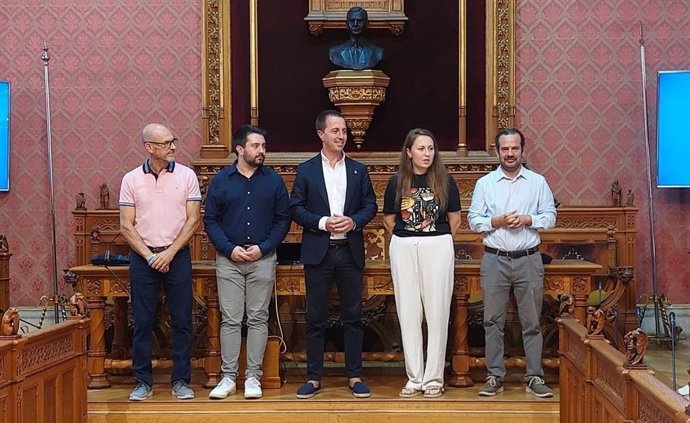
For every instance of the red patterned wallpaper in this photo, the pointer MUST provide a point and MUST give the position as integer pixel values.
(114, 67)
(118, 65)
(580, 102)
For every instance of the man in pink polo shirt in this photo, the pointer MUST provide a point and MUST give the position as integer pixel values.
(159, 212)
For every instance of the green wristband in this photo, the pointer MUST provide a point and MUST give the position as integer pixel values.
(150, 258)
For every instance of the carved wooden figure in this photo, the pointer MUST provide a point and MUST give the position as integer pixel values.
(636, 342)
(81, 201)
(10, 322)
(567, 305)
(596, 320)
(77, 305)
(616, 193)
(105, 196)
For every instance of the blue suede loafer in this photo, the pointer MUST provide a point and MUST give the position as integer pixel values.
(360, 390)
(307, 391)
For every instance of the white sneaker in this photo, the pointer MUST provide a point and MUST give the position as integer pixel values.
(252, 388)
(226, 387)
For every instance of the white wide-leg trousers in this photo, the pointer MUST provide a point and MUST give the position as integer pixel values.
(422, 268)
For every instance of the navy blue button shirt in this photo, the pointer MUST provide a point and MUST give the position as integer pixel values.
(241, 210)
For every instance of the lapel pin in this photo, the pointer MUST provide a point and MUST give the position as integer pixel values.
(355, 171)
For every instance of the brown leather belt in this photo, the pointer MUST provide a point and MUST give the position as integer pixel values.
(156, 250)
(337, 242)
(511, 254)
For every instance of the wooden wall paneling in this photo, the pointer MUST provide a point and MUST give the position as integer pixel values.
(612, 393)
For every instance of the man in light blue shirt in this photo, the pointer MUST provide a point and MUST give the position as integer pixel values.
(509, 206)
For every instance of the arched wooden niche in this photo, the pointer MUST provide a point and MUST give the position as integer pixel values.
(243, 73)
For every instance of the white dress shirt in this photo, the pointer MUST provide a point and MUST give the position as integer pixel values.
(495, 194)
(335, 178)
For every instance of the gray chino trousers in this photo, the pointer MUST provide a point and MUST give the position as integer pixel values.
(244, 286)
(525, 276)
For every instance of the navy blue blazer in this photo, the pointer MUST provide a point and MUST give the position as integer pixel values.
(309, 203)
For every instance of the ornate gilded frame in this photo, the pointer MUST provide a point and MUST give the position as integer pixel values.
(217, 89)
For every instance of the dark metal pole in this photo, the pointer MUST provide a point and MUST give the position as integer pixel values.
(672, 321)
(650, 204)
(46, 58)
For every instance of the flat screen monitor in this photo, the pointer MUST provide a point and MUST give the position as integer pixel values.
(4, 136)
(673, 116)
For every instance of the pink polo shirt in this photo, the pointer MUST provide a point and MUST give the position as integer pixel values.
(160, 203)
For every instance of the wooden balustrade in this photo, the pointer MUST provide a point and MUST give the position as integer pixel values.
(596, 387)
(43, 375)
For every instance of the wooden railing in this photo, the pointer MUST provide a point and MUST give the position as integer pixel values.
(43, 375)
(596, 387)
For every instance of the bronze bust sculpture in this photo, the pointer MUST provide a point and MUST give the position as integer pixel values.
(356, 53)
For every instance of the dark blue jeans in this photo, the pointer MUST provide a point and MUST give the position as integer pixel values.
(339, 267)
(177, 284)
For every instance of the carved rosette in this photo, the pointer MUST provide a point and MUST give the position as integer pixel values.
(357, 93)
(93, 286)
(397, 28)
(315, 28)
(288, 285)
(580, 285)
(462, 286)
(554, 284)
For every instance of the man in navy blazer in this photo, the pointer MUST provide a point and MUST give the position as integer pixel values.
(332, 199)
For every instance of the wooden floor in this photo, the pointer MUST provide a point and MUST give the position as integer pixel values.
(334, 403)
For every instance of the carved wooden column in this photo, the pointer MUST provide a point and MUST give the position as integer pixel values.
(96, 355)
(460, 362)
(630, 259)
(4, 273)
(580, 291)
(212, 359)
(216, 78)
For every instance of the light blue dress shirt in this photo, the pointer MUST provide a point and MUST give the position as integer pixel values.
(495, 194)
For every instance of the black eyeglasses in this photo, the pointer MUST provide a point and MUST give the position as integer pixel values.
(166, 144)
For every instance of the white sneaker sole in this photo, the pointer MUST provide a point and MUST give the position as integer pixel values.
(546, 395)
(182, 397)
(490, 394)
(221, 395)
(255, 395)
(131, 398)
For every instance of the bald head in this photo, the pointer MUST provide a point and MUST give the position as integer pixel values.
(153, 129)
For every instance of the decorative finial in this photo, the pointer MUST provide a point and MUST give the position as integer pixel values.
(641, 34)
(45, 57)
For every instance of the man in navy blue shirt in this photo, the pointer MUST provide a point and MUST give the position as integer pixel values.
(246, 218)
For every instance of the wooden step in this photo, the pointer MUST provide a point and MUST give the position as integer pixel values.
(334, 403)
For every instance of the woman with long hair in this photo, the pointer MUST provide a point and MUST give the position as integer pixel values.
(422, 212)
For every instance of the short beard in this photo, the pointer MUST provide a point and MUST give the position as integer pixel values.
(253, 163)
(507, 168)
